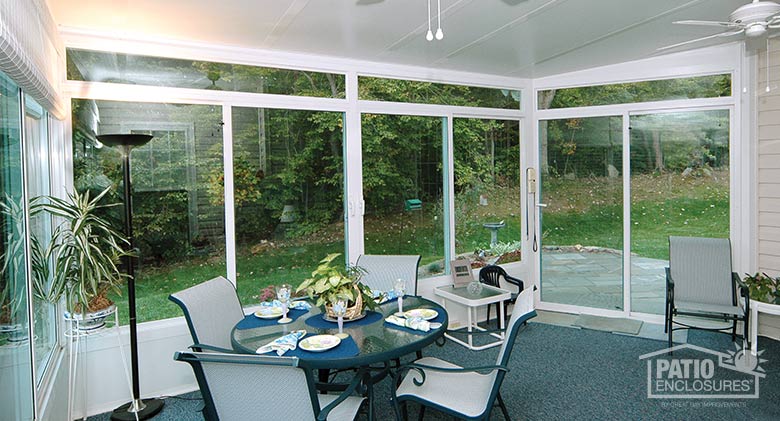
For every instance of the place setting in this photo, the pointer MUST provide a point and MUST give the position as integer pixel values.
(281, 310)
(418, 319)
(300, 344)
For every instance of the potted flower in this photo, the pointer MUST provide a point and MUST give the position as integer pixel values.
(330, 283)
(83, 254)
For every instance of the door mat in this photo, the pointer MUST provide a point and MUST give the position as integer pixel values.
(609, 324)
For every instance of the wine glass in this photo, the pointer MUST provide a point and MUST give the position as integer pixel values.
(283, 292)
(399, 287)
(340, 309)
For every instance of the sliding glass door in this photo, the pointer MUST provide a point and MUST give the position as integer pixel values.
(678, 185)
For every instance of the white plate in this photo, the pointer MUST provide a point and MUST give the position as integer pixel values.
(269, 313)
(319, 343)
(424, 313)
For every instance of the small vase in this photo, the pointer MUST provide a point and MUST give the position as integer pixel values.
(474, 287)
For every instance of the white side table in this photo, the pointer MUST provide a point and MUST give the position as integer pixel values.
(461, 296)
(755, 308)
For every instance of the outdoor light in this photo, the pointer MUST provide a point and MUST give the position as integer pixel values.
(137, 408)
(439, 32)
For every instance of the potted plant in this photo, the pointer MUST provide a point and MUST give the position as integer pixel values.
(12, 269)
(83, 253)
(765, 300)
(330, 283)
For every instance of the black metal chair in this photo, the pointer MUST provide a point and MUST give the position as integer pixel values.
(491, 275)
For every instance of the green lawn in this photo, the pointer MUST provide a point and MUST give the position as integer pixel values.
(585, 212)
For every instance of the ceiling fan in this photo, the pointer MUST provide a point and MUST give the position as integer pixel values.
(753, 19)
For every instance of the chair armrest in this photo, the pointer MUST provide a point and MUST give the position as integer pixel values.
(744, 291)
(420, 369)
(323, 415)
(515, 281)
(206, 347)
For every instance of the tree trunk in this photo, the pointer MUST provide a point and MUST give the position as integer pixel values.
(545, 100)
(659, 154)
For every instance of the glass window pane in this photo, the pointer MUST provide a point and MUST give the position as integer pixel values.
(679, 186)
(380, 89)
(582, 225)
(289, 201)
(16, 391)
(402, 188)
(98, 66)
(487, 188)
(178, 198)
(38, 184)
(625, 93)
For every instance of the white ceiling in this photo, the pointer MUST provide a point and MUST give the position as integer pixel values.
(521, 38)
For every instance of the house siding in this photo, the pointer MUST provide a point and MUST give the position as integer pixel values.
(769, 161)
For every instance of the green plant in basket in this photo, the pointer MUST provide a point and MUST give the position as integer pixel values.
(330, 283)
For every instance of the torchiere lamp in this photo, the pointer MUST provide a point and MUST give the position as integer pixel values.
(138, 408)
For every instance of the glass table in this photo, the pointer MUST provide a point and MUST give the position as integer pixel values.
(471, 301)
(377, 342)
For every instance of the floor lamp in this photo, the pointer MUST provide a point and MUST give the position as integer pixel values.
(138, 408)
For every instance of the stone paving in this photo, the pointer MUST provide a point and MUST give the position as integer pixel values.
(595, 279)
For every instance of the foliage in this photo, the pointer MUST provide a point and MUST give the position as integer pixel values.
(12, 256)
(329, 283)
(84, 250)
(763, 287)
(161, 225)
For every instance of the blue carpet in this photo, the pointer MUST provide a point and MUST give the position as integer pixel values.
(559, 373)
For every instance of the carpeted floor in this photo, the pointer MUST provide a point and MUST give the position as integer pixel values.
(559, 373)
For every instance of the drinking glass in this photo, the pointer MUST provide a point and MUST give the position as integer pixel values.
(399, 287)
(283, 293)
(340, 309)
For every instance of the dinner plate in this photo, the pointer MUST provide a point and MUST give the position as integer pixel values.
(269, 313)
(319, 343)
(424, 313)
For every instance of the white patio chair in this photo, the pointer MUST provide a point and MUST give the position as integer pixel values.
(254, 387)
(463, 392)
(383, 269)
(211, 309)
(701, 288)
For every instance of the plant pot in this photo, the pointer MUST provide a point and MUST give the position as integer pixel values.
(353, 312)
(91, 321)
(14, 333)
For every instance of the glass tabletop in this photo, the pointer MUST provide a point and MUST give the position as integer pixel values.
(486, 291)
(377, 342)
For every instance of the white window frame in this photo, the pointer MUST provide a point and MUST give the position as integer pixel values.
(725, 59)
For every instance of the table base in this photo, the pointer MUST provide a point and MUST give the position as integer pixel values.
(472, 325)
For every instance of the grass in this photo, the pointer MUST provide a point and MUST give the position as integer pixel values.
(583, 211)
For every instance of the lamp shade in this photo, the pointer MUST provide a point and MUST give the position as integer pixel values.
(131, 140)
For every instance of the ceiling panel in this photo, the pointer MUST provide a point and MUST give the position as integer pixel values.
(528, 38)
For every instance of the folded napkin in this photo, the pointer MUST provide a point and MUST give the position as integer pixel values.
(416, 323)
(382, 297)
(294, 305)
(281, 345)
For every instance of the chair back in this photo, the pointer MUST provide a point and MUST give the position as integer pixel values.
(522, 311)
(247, 387)
(383, 269)
(211, 309)
(489, 275)
(701, 270)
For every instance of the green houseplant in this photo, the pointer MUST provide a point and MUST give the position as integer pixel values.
(330, 283)
(12, 266)
(763, 287)
(82, 256)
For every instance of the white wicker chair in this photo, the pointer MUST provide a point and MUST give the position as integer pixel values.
(383, 269)
(254, 387)
(701, 289)
(464, 392)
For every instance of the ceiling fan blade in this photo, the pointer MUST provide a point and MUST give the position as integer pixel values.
(707, 23)
(722, 34)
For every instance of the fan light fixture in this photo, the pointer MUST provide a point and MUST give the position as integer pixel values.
(439, 33)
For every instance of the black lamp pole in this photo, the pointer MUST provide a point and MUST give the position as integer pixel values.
(138, 408)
